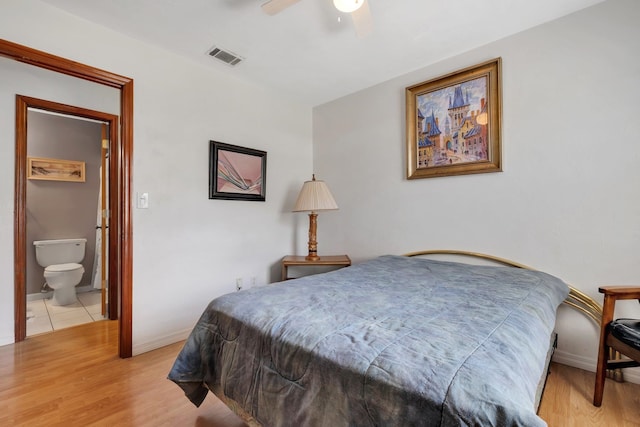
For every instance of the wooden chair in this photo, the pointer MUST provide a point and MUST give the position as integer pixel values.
(621, 335)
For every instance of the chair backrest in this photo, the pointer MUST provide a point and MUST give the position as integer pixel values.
(622, 335)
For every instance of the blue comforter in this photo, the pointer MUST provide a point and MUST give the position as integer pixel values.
(388, 342)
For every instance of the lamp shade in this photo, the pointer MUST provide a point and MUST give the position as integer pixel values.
(315, 196)
(348, 6)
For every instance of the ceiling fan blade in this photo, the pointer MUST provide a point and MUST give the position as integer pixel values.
(276, 6)
(362, 20)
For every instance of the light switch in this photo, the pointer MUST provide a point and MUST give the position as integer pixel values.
(143, 200)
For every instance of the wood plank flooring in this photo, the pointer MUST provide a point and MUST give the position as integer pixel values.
(73, 377)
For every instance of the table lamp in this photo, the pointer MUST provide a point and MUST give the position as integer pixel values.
(314, 196)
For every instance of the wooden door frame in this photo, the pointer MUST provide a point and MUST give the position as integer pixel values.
(23, 103)
(122, 215)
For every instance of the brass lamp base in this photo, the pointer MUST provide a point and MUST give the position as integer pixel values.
(313, 244)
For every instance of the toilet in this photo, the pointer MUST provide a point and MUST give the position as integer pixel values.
(62, 271)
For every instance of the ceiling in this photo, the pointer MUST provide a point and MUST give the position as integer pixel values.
(304, 52)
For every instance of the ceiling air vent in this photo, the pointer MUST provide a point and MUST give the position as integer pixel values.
(225, 56)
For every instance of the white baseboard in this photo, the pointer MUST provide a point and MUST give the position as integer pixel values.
(631, 375)
(160, 342)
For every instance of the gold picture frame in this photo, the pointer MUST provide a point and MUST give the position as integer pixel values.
(41, 168)
(454, 123)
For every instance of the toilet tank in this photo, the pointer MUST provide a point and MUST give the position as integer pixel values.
(61, 251)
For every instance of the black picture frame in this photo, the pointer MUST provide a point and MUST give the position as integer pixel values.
(237, 173)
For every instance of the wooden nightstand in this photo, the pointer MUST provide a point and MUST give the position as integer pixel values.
(328, 260)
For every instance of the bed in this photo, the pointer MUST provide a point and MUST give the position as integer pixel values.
(395, 340)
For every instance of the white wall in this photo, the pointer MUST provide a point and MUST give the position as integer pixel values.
(187, 249)
(567, 201)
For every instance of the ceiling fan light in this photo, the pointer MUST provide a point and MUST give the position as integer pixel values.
(348, 6)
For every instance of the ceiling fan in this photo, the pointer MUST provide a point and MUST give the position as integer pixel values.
(359, 10)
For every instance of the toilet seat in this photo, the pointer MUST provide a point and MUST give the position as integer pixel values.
(61, 268)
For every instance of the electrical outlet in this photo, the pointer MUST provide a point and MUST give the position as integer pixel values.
(238, 283)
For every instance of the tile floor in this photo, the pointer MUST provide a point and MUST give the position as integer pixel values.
(42, 316)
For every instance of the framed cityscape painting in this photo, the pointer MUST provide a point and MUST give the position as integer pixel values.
(236, 173)
(453, 123)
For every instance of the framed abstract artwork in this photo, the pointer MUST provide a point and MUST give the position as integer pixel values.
(454, 123)
(236, 173)
(55, 169)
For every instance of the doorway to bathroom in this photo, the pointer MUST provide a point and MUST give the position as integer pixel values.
(67, 193)
(122, 155)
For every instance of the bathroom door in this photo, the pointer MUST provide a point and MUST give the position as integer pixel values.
(104, 218)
